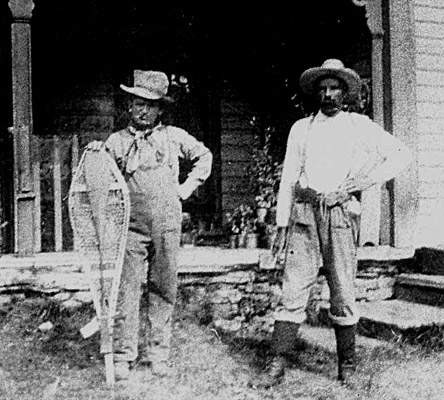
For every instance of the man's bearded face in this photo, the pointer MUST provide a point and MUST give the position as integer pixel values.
(331, 94)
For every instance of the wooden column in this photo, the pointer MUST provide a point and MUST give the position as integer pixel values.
(24, 218)
(214, 141)
(404, 116)
(57, 182)
(371, 198)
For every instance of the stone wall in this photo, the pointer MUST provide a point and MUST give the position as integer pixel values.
(238, 300)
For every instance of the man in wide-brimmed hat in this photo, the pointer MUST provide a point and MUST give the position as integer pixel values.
(148, 152)
(331, 157)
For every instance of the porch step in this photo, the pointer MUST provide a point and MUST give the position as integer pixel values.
(401, 319)
(431, 260)
(420, 288)
(416, 312)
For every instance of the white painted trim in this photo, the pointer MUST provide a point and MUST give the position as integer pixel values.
(404, 116)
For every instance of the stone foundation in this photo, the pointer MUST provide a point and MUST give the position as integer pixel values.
(235, 302)
(234, 296)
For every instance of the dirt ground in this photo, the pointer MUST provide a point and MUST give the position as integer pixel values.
(60, 364)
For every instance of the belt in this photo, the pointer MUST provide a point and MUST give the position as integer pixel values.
(317, 200)
(308, 195)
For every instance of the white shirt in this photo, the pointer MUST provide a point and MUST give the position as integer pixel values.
(329, 152)
(345, 145)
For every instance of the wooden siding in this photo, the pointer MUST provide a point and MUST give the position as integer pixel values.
(429, 28)
(237, 144)
(75, 116)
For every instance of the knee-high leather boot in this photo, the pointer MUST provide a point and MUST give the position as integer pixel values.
(346, 349)
(283, 342)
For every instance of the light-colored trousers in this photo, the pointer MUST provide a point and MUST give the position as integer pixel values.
(150, 316)
(320, 237)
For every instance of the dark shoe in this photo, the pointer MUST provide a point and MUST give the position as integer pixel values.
(121, 370)
(285, 337)
(346, 349)
(283, 344)
(273, 374)
(346, 375)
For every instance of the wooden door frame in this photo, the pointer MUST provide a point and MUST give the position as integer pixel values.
(391, 23)
(403, 108)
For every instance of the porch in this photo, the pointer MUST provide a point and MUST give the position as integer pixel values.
(229, 288)
(35, 208)
(54, 164)
(58, 271)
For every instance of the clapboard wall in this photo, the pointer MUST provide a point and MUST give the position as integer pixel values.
(429, 32)
(237, 146)
(89, 111)
(82, 112)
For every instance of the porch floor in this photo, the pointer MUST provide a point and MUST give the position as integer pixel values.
(193, 259)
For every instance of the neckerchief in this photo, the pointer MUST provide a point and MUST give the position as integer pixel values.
(132, 156)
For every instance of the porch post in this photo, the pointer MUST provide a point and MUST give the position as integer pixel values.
(404, 116)
(371, 198)
(24, 195)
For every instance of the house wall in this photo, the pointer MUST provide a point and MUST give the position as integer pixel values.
(84, 110)
(429, 35)
(237, 145)
(92, 110)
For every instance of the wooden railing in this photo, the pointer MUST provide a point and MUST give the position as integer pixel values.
(52, 171)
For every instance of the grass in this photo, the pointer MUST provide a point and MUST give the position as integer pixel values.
(59, 364)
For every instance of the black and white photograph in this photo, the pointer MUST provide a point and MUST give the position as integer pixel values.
(222, 200)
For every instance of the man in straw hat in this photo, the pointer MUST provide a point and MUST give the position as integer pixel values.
(331, 157)
(148, 152)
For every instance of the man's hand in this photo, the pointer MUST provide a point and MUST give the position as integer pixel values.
(336, 198)
(95, 145)
(279, 241)
(308, 195)
(357, 184)
(185, 190)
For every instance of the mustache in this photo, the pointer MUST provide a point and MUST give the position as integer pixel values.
(329, 103)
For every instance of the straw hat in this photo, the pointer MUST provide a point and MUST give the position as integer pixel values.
(151, 85)
(331, 68)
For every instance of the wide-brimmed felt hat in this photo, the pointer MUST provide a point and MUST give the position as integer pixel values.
(331, 67)
(151, 85)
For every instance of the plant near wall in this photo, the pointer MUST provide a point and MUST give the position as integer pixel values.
(264, 176)
(240, 220)
(265, 173)
(240, 224)
(189, 230)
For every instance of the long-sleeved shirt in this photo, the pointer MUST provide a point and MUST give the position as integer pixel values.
(331, 149)
(164, 142)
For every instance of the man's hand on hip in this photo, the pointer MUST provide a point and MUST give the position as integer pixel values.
(185, 190)
(95, 145)
(357, 184)
(336, 198)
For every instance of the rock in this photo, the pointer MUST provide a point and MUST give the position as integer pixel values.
(45, 326)
(61, 297)
(71, 304)
(84, 297)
